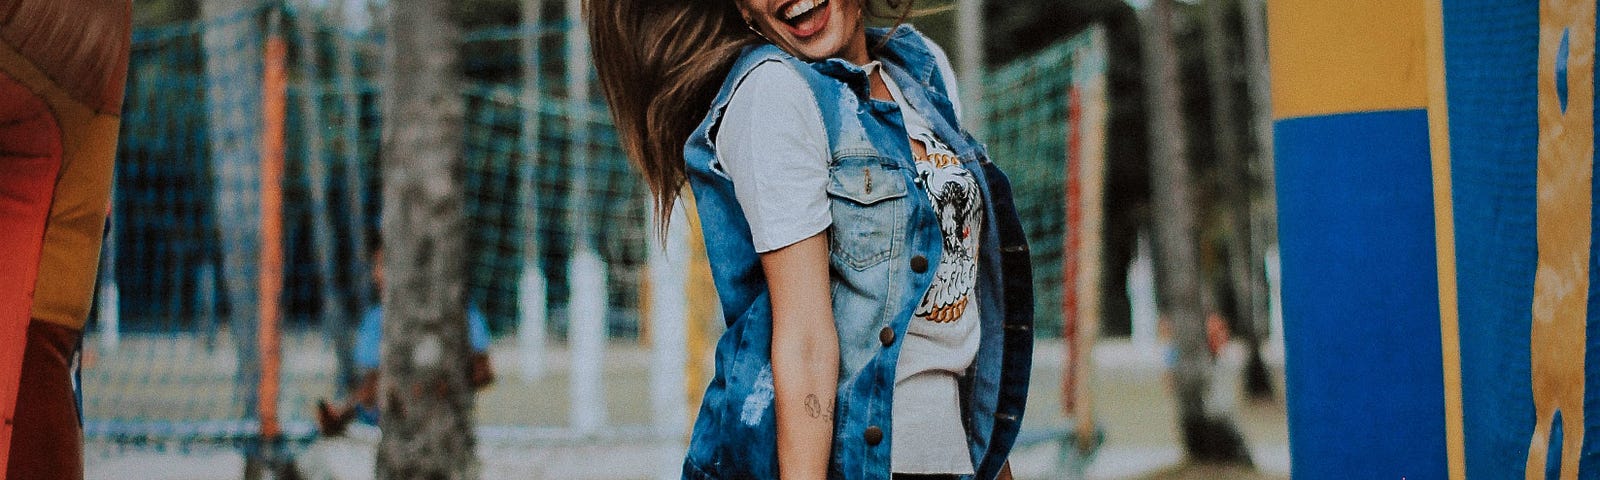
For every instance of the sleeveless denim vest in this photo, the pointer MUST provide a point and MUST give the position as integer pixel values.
(885, 241)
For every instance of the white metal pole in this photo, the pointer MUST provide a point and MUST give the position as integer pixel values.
(969, 29)
(586, 340)
(531, 306)
(531, 299)
(1142, 297)
(586, 310)
(669, 312)
(1274, 264)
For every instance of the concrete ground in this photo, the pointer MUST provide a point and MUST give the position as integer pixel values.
(523, 435)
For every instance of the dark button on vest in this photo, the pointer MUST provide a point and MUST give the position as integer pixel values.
(886, 336)
(873, 435)
(919, 264)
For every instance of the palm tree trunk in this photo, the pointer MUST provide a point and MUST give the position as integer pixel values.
(1264, 210)
(1242, 257)
(1209, 435)
(424, 392)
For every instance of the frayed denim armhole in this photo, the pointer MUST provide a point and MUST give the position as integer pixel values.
(713, 121)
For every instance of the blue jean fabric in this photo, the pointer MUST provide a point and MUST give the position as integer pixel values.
(883, 227)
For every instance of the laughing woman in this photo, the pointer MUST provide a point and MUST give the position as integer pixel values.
(866, 252)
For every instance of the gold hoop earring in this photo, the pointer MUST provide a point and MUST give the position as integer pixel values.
(758, 33)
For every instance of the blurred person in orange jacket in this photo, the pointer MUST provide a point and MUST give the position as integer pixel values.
(62, 68)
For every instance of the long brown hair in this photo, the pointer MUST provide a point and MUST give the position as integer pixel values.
(660, 63)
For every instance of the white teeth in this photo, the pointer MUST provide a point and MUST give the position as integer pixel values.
(800, 8)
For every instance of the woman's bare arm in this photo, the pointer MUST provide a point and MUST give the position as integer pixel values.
(805, 356)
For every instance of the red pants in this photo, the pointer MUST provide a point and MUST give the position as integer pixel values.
(46, 437)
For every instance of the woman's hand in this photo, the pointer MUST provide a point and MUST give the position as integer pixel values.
(805, 356)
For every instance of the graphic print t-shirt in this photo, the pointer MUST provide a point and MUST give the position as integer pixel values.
(942, 338)
(774, 147)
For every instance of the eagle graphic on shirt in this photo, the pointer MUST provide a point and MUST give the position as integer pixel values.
(956, 199)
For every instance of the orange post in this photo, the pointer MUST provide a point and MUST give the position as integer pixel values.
(1070, 261)
(273, 108)
(1082, 264)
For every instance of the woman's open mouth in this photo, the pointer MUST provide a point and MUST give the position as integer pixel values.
(804, 17)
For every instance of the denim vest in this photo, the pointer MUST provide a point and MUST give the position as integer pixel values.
(885, 242)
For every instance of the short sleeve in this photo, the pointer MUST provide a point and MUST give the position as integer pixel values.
(774, 146)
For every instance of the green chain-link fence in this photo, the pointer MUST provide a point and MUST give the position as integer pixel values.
(1026, 128)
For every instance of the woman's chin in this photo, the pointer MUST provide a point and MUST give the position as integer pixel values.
(811, 55)
(822, 46)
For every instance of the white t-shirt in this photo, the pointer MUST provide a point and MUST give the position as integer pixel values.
(774, 146)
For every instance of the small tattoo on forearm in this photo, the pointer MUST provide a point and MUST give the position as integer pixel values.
(815, 409)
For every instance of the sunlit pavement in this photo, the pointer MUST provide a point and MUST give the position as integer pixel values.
(1131, 402)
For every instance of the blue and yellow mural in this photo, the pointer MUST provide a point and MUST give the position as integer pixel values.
(1436, 202)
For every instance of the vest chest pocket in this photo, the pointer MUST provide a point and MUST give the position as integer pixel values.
(867, 199)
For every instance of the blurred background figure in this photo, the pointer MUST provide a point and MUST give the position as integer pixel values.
(362, 405)
(62, 67)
